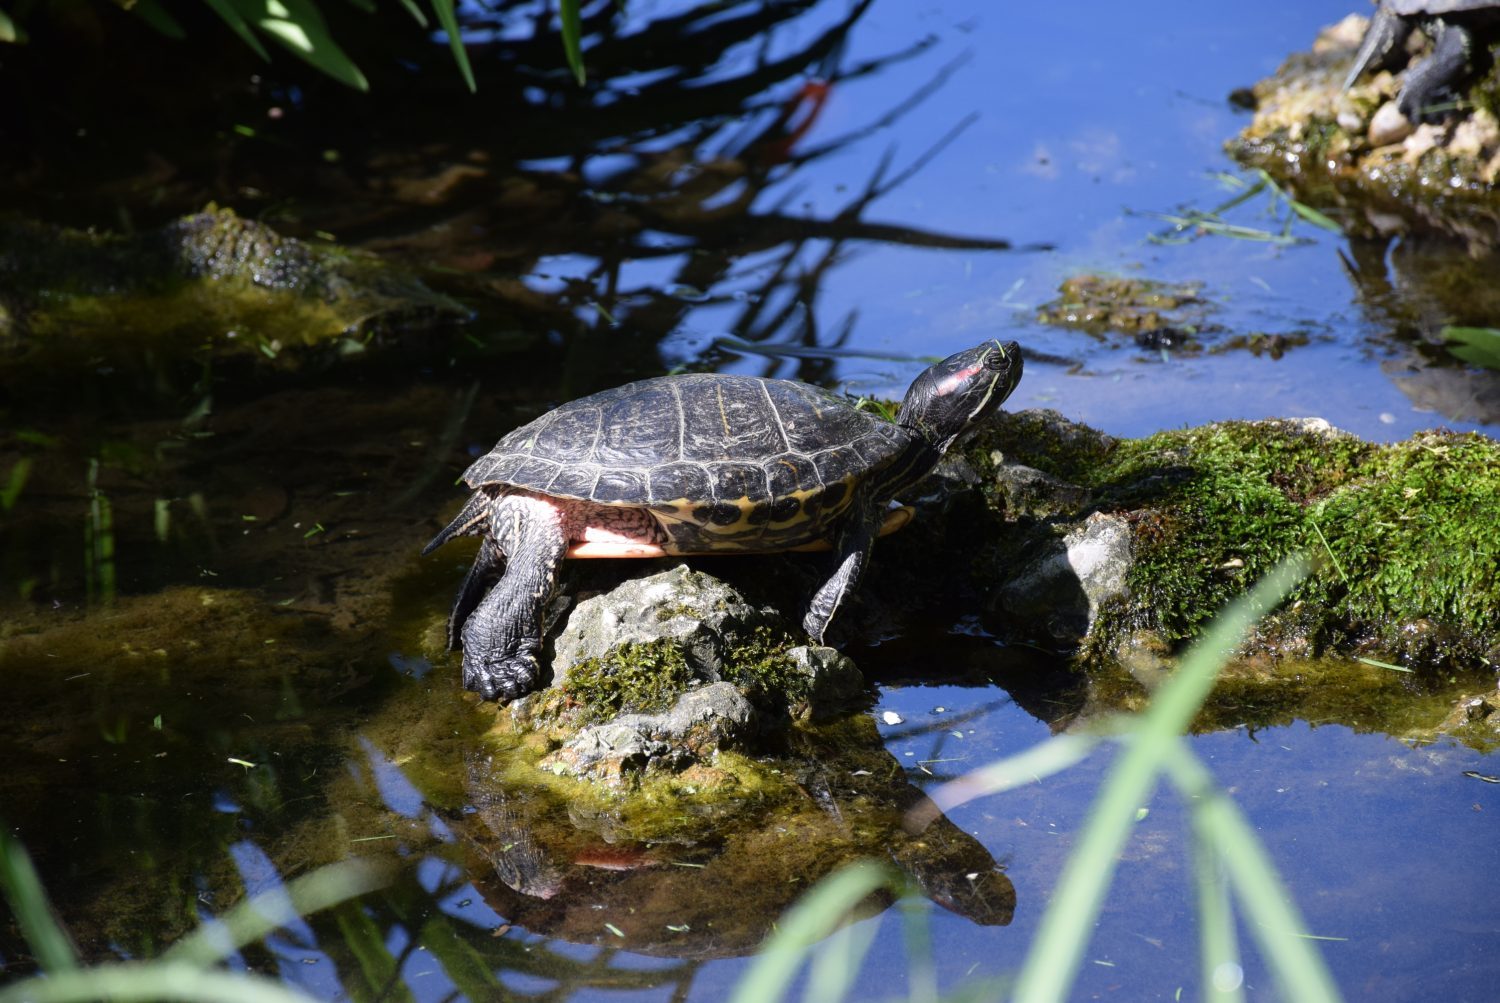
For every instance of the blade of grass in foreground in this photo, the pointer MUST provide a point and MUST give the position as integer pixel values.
(1029, 766)
(28, 903)
(1219, 953)
(254, 918)
(815, 917)
(149, 981)
(1052, 963)
(1274, 920)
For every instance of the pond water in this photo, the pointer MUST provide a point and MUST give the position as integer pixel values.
(819, 195)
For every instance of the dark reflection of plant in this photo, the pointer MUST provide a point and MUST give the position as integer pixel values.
(682, 151)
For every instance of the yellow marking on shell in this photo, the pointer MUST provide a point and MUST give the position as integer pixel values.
(898, 516)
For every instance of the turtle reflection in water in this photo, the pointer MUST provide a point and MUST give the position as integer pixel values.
(558, 872)
(694, 464)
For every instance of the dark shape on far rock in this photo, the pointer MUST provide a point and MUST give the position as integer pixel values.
(1462, 32)
(695, 464)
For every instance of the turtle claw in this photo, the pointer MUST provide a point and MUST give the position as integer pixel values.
(504, 678)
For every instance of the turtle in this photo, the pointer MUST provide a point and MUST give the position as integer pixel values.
(1460, 31)
(694, 463)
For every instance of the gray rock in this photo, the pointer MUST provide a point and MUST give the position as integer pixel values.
(1064, 588)
(703, 721)
(1029, 491)
(699, 615)
(1388, 126)
(834, 681)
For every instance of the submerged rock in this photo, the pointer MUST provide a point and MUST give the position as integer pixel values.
(696, 871)
(1153, 314)
(210, 279)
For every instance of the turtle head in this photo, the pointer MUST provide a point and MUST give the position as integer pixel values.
(959, 392)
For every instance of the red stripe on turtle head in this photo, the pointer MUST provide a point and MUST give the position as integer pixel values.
(957, 381)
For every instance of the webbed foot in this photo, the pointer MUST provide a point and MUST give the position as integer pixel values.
(504, 677)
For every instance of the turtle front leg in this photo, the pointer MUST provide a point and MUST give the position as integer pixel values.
(851, 549)
(502, 638)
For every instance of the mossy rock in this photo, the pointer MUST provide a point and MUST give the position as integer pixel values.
(1404, 533)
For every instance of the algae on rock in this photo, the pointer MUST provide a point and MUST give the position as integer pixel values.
(211, 278)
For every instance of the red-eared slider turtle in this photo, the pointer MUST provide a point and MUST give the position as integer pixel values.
(1461, 31)
(694, 464)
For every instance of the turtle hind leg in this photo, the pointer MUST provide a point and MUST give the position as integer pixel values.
(488, 565)
(502, 636)
(1383, 46)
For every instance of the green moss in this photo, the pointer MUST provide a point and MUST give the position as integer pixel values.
(648, 678)
(1044, 440)
(634, 678)
(761, 668)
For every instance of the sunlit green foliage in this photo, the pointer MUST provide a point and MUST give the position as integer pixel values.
(1477, 345)
(299, 27)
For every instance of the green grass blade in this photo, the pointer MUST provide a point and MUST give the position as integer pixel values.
(364, 938)
(411, 8)
(1479, 346)
(444, 11)
(1041, 760)
(818, 914)
(253, 919)
(921, 972)
(1314, 217)
(469, 970)
(21, 887)
(125, 983)
(572, 37)
(1274, 921)
(1055, 955)
(1219, 951)
(239, 26)
(10, 31)
(158, 18)
(298, 26)
(14, 482)
(835, 964)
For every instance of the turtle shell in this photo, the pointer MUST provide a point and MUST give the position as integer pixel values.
(1416, 8)
(722, 461)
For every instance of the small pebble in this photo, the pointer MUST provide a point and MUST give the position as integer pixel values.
(1389, 126)
(1386, 418)
(891, 717)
